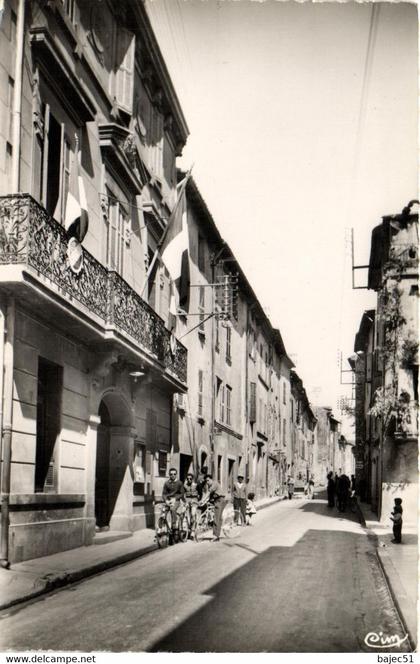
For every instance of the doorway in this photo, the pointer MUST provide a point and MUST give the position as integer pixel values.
(114, 459)
(102, 511)
(185, 466)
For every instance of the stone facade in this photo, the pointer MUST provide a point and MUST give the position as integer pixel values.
(386, 370)
(88, 362)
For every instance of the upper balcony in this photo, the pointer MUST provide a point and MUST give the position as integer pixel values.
(87, 301)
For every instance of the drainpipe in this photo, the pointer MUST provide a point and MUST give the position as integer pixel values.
(7, 432)
(17, 99)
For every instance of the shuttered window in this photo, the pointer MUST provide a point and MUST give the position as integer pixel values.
(201, 308)
(253, 402)
(122, 84)
(222, 403)
(228, 405)
(200, 392)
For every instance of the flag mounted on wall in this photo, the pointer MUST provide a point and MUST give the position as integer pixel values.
(174, 252)
(76, 219)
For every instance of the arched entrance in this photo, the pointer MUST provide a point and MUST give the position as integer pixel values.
(114, 454)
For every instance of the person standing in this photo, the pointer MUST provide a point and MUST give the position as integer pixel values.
(330, 489)
(217, 497)
(191, 498)
(201, 481)
(290, 487)
(343, 492)
(396, 518)
(239, 499)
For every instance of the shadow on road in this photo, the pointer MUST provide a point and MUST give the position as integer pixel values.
(319, 506)
(324, 594)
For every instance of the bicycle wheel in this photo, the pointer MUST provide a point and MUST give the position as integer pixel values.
(230, 527)
(201, 527)
(162, 533)
(184, 528)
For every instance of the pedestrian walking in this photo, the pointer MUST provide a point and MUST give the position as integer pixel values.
(290, 487)
(311, 485)
(239, 499)
(330, 489)
(353, 483)
(396, 518)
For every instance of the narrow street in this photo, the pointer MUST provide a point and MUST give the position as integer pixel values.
(302, 578)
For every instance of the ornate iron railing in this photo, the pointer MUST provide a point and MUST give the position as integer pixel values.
(28, 235)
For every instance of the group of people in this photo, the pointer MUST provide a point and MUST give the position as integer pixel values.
(339, 489)
(309, 487)
(195, 494)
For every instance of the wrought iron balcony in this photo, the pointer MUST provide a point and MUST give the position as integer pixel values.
(29, 237)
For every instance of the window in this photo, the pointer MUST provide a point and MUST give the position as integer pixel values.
(139, 463)
(52, 159)
(252, 402)
(200, 392)
(201, 308)
(291, 410)
(10, 100)
(284, 392)
(118, 232)
(201, 254)
(123, 75)
(162, 463)
(284, 432)
(222, 402)
(217, 333)
(48, 425)
(228, 343)
(228, 405)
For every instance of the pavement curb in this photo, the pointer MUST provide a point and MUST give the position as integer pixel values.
(397, 592)
(60, 580)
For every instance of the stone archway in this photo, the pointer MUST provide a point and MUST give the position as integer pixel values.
(113, 472)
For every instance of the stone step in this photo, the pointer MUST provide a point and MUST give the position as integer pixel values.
(107, 536)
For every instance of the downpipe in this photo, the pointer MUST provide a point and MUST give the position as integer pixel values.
(7, 432)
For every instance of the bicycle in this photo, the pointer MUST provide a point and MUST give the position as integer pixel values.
(165, 533)
(163, 528)
(205, 522)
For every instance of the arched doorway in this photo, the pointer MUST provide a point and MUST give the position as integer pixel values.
(102, 514)
(114, 454)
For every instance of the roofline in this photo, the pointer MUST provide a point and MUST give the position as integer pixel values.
(273, 333)
(158, 61)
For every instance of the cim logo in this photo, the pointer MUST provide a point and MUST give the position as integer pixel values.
(374, 640)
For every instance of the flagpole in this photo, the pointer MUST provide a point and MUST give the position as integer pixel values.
(182, 186)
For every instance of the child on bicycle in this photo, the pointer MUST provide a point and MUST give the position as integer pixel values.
(250, 508)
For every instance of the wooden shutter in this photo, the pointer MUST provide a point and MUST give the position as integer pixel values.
(124, 75)
(252, 402)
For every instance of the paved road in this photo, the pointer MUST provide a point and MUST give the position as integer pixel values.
(301, 579)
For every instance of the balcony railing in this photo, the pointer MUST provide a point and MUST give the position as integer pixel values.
(29, 236)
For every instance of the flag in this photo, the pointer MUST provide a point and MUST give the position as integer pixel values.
(174, 253)
(76, 215)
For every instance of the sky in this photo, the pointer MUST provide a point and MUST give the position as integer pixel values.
(303, 125)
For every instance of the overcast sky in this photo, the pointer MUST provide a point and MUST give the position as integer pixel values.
(289, 152)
